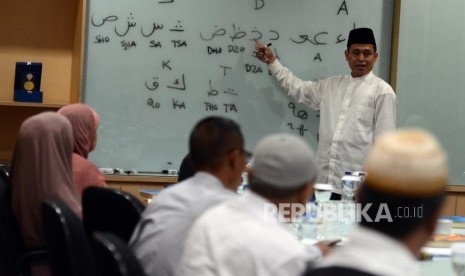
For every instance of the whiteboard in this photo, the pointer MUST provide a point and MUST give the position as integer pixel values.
(153, 68)
(430, 74)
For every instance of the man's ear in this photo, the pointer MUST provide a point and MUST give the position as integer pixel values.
(235, 159)
(229, 159)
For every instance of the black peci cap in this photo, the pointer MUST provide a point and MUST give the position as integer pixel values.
(361, 36)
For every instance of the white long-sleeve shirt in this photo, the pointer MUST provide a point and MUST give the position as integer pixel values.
(159, 236)
(353, 112)
(375, 253)
(235, 238)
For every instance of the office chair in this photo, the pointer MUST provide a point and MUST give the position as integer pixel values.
(69, 250)
(113, 256)
(14, 258)
(5, 172)
(109, 210)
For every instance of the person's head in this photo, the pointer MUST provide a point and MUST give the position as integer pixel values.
(283, 169)
(186, 169)
(406, 177)
(216, 145)
(84, 121)
(41, 169)
(361, 53)
(44, 138)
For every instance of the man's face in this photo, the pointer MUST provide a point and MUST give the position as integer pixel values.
(361, 58)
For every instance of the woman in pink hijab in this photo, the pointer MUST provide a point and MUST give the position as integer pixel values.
(41, 170)
(84, 121)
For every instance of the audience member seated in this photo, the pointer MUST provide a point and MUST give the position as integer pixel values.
(186, 169)
(406, 174)
(216, 148)
(84, 121)
(250, 235)
(41, 170)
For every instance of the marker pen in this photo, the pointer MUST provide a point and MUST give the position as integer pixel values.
(170, 172)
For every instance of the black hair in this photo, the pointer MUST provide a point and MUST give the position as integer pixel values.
(186, 169)
(211, 139)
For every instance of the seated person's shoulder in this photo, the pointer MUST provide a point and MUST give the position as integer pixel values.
(335, 271)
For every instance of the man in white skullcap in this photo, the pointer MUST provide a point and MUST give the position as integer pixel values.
(243, 236)
(354, 109)
(400, 201)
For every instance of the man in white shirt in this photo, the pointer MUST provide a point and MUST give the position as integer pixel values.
(217, 152)
(354, 109)
(247, 235)
(402, 198)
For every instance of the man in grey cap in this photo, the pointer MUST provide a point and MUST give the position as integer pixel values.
(245, 236)
(354, 109)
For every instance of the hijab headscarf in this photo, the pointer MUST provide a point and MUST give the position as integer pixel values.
(84, 121)
(41, 170)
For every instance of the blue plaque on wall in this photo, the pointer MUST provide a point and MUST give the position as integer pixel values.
(27, 82)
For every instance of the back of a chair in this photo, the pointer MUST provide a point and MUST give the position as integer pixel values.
(109, 210)
(69, 250)
(11, 245)
(5, 172)
(14, 258)
(114, 258)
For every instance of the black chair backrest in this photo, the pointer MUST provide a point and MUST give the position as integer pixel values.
(69, 250)
(11, 244)
(113, 256)
(14, 259)
(109, 210)
(5, 172)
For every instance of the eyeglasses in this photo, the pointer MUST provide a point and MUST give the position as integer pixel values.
(357, 53)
